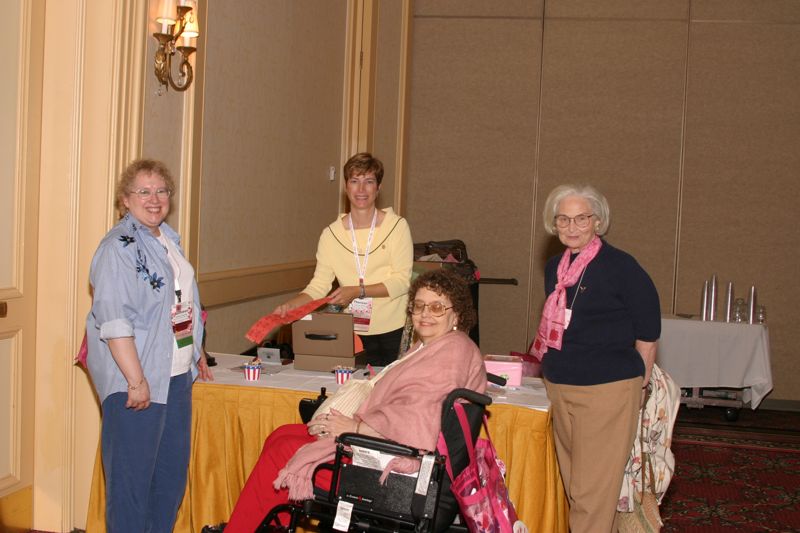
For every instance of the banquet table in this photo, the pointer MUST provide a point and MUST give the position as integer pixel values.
(717, 355)
(232, 417)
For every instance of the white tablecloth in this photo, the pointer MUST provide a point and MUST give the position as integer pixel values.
(531, 394)
(717, 354)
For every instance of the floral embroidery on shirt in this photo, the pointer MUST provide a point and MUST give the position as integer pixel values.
(126, 240)
(155, 281)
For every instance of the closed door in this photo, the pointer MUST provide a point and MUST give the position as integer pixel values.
(20, 106)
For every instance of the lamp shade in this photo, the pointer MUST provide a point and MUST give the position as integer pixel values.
(167, 11)
(192, 29)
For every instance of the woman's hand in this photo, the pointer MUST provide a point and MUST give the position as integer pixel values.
(331, 425)
(203, 371)
(139, 397)
(344, 295)
(282, 309)
(293, 303)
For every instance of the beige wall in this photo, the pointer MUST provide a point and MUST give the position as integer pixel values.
(272, 125)
(683, 113)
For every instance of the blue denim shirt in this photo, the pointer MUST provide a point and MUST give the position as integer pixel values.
(134, 290)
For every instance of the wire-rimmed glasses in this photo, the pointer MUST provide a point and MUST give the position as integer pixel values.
(582, 220)
(434, 308)
(162, 193)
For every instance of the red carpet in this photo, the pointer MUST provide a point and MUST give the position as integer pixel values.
(733, 479)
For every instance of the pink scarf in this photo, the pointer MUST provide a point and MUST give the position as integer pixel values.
(552, 325)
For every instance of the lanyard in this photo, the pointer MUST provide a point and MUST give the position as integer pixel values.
(176, 268)
(362, 271)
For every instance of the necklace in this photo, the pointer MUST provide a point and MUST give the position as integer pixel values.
(578, 288)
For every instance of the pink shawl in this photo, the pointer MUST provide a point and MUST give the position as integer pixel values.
(553, 323)
(405, 405)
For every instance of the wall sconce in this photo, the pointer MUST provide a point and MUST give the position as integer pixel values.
(178, 20)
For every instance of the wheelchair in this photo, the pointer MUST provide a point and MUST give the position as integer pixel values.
(357, 501)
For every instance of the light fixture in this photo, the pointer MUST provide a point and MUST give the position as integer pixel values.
(178, 19)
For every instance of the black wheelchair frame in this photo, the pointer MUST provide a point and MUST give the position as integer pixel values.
(403, 503)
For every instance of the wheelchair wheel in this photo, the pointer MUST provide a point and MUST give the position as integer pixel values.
(280, 519)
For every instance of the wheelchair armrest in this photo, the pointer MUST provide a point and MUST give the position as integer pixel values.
(375, 443)
(466, 394)
(321, 466)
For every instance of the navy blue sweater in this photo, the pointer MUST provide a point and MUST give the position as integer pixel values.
(616, 304)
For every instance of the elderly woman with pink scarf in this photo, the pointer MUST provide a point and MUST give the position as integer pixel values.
(404, 405)
(597, 343)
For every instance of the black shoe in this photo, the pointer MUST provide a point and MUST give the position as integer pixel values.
(219, 528)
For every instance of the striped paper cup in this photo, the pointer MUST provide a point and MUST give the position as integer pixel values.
(252, 372)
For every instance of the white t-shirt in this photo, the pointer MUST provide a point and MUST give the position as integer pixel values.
(184, 281)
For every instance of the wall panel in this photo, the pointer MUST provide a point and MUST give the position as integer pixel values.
(741, 185)
(478, 9)
(612, 106)
(472, 144)
(274, 78)
(388, 90)
(271, 128)
(617, 9)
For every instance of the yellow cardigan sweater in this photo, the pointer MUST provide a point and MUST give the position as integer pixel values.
(390, 262)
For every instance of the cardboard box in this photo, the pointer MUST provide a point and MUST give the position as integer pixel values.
(506, 366)
(325, 363)
(322, 341)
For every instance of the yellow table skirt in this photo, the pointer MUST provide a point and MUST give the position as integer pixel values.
(230, 424)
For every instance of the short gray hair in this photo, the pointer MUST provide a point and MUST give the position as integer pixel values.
(595, 198)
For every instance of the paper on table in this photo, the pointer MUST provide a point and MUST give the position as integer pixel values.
(267, 323)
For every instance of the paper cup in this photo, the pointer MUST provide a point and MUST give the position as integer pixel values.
(342, 375)
(252, 372)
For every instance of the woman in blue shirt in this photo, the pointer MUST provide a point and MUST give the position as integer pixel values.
(144, 338)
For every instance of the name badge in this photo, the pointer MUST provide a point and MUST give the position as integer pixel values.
(567, 317)
(182, 316)
(361, 309)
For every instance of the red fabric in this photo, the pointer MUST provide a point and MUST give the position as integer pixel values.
(83, 351)
(267, 323)
(258, 495)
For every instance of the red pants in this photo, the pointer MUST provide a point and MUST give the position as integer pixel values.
(258, 495)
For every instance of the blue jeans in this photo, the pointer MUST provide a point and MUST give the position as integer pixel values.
(146, 459)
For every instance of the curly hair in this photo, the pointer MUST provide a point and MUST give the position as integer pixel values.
(447, 283)
(128, 176)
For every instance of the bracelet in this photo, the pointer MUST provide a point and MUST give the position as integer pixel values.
(134, 387)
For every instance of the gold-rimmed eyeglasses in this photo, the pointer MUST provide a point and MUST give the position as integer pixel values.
(162, 193)
(435, 308)
(582, 220)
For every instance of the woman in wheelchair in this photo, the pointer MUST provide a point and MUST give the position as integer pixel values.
(404, 405)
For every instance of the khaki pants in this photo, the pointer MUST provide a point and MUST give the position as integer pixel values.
(594, 427)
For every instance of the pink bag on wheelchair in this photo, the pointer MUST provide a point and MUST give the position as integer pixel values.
(480, 489)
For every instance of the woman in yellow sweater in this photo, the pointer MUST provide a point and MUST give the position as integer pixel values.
(370, 253)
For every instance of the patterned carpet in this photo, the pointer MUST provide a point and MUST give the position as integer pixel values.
(739, 476)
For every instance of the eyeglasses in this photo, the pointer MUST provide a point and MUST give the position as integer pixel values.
(145, 194)
(436, 308)
(582, 220)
